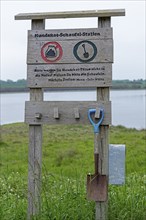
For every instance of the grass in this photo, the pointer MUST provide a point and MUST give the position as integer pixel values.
(67, 158)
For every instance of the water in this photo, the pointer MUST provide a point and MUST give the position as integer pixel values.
(128, 106)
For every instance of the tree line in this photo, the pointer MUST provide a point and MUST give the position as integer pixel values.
(21, 85)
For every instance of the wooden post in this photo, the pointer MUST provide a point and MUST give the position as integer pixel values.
(103, 95)
(35, 150)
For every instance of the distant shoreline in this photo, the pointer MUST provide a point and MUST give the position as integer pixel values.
(10, 86)
(21, 90)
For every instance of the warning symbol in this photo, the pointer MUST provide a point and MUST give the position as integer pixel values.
(51, 52)
(85, 51)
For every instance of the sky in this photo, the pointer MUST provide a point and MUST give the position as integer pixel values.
(128, 33)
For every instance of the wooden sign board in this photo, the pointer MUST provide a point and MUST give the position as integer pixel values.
(70, 34)
(70, 75)
(60, 112)
(85, 50)
(70, 58)
(70, 51)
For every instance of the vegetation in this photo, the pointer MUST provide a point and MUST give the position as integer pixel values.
(128, 84)
(67, 158)
(13, 86)
(20, 85)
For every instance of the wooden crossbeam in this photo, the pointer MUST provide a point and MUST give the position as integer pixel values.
(65, 112)
(70, 14)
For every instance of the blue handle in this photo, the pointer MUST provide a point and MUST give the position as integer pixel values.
(96, 125)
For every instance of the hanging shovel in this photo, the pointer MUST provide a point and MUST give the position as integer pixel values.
(96, 183)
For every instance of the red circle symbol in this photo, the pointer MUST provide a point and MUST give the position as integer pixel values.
(51, 52)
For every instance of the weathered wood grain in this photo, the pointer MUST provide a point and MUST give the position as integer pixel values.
(71, 14)
(68, 112)
(69, 75)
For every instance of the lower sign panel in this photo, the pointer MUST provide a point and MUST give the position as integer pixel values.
(69, 75)
(64, 112)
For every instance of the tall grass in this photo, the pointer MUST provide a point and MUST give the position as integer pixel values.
(65, 198)
(67, 158)
(128, 202)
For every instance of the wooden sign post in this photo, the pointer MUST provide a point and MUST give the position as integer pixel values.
(72, 58)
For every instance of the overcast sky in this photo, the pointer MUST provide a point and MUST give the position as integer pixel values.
(129, 33)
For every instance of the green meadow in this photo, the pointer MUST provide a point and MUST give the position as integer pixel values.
(67, 157)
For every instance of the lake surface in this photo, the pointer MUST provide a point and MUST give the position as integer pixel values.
(128, 106)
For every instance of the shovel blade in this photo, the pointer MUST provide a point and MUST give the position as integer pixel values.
(97, 187)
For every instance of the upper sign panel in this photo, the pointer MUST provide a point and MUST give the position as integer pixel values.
(70, 46)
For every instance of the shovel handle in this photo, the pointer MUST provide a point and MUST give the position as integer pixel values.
(96, 161)
(96, 125)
